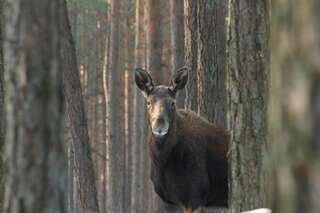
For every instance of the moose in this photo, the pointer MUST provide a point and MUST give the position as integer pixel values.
(188, 154)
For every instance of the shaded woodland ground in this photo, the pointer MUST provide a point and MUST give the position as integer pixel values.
(73, 130)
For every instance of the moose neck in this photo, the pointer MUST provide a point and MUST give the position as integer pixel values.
(161, 149)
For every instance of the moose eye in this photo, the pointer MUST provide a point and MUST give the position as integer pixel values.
(148, 103)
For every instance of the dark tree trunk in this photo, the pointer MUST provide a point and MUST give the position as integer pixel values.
(140, 177)
(248, 93)
(191, 53)
(2, 109)
(35, 152)
(116, 142)
(177, 40)
(84, 172)
(129, 96)
(154, 40)
(212, 60)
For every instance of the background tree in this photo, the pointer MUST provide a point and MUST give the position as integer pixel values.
(36, 180)
(86, 183)
(116, 142)
(248, 93)
(2, 109)
(177, 40)
(191, 53)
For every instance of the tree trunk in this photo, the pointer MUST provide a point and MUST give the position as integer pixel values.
(35, 151)
(139, 200)
(166, 69)
(116, 143)
(129, 107)
(154, 40)
(212, 60)
(2, 109)
(248, 93)
(191, 53)
(84, 172)
(177, 40)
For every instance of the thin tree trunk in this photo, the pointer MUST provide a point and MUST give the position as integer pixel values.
(191, 53)
(154, 40)
(139, 149)
(84, 172)
(116, 143)
(129, 107)
(178, 39)
(166, 69)
(248, 92)
(35, 152)
(106, 70)
(2, 109)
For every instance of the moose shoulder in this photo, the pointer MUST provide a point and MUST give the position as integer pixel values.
(188, 153)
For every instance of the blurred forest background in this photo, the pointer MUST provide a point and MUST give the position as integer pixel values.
(254, 69)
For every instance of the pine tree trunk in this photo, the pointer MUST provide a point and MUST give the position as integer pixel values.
(212, 60)
(191, 53)
(2, 109)
(116, 142)
(154, 40)
(84, 172)
(35, 151)
(139, 147)
(128, 107)
(248, 93)
(177, 40)
(166, 69)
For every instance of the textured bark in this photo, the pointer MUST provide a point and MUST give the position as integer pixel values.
(154, 40)
(177, 40)
(2, 109)
(35, 152)
(191, 53)
(248, 93)
(212, 61)
(166, 69)
(84, 172)
(116, 142)
(128, 95)
(139, 148)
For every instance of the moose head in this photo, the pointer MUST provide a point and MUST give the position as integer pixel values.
(161, 100)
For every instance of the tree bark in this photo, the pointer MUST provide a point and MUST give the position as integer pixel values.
(248, 93)
(129, 107)
(191, 53)
(140, 200)
(116, 142)
(35, 152)
(84, 172)
(177, 40)
(212, 60)
(2, 109)
(154, 40)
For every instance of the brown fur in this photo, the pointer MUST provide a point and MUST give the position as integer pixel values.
(189, 167)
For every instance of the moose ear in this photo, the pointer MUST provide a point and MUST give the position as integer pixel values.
(179, 79)
(143, 81)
